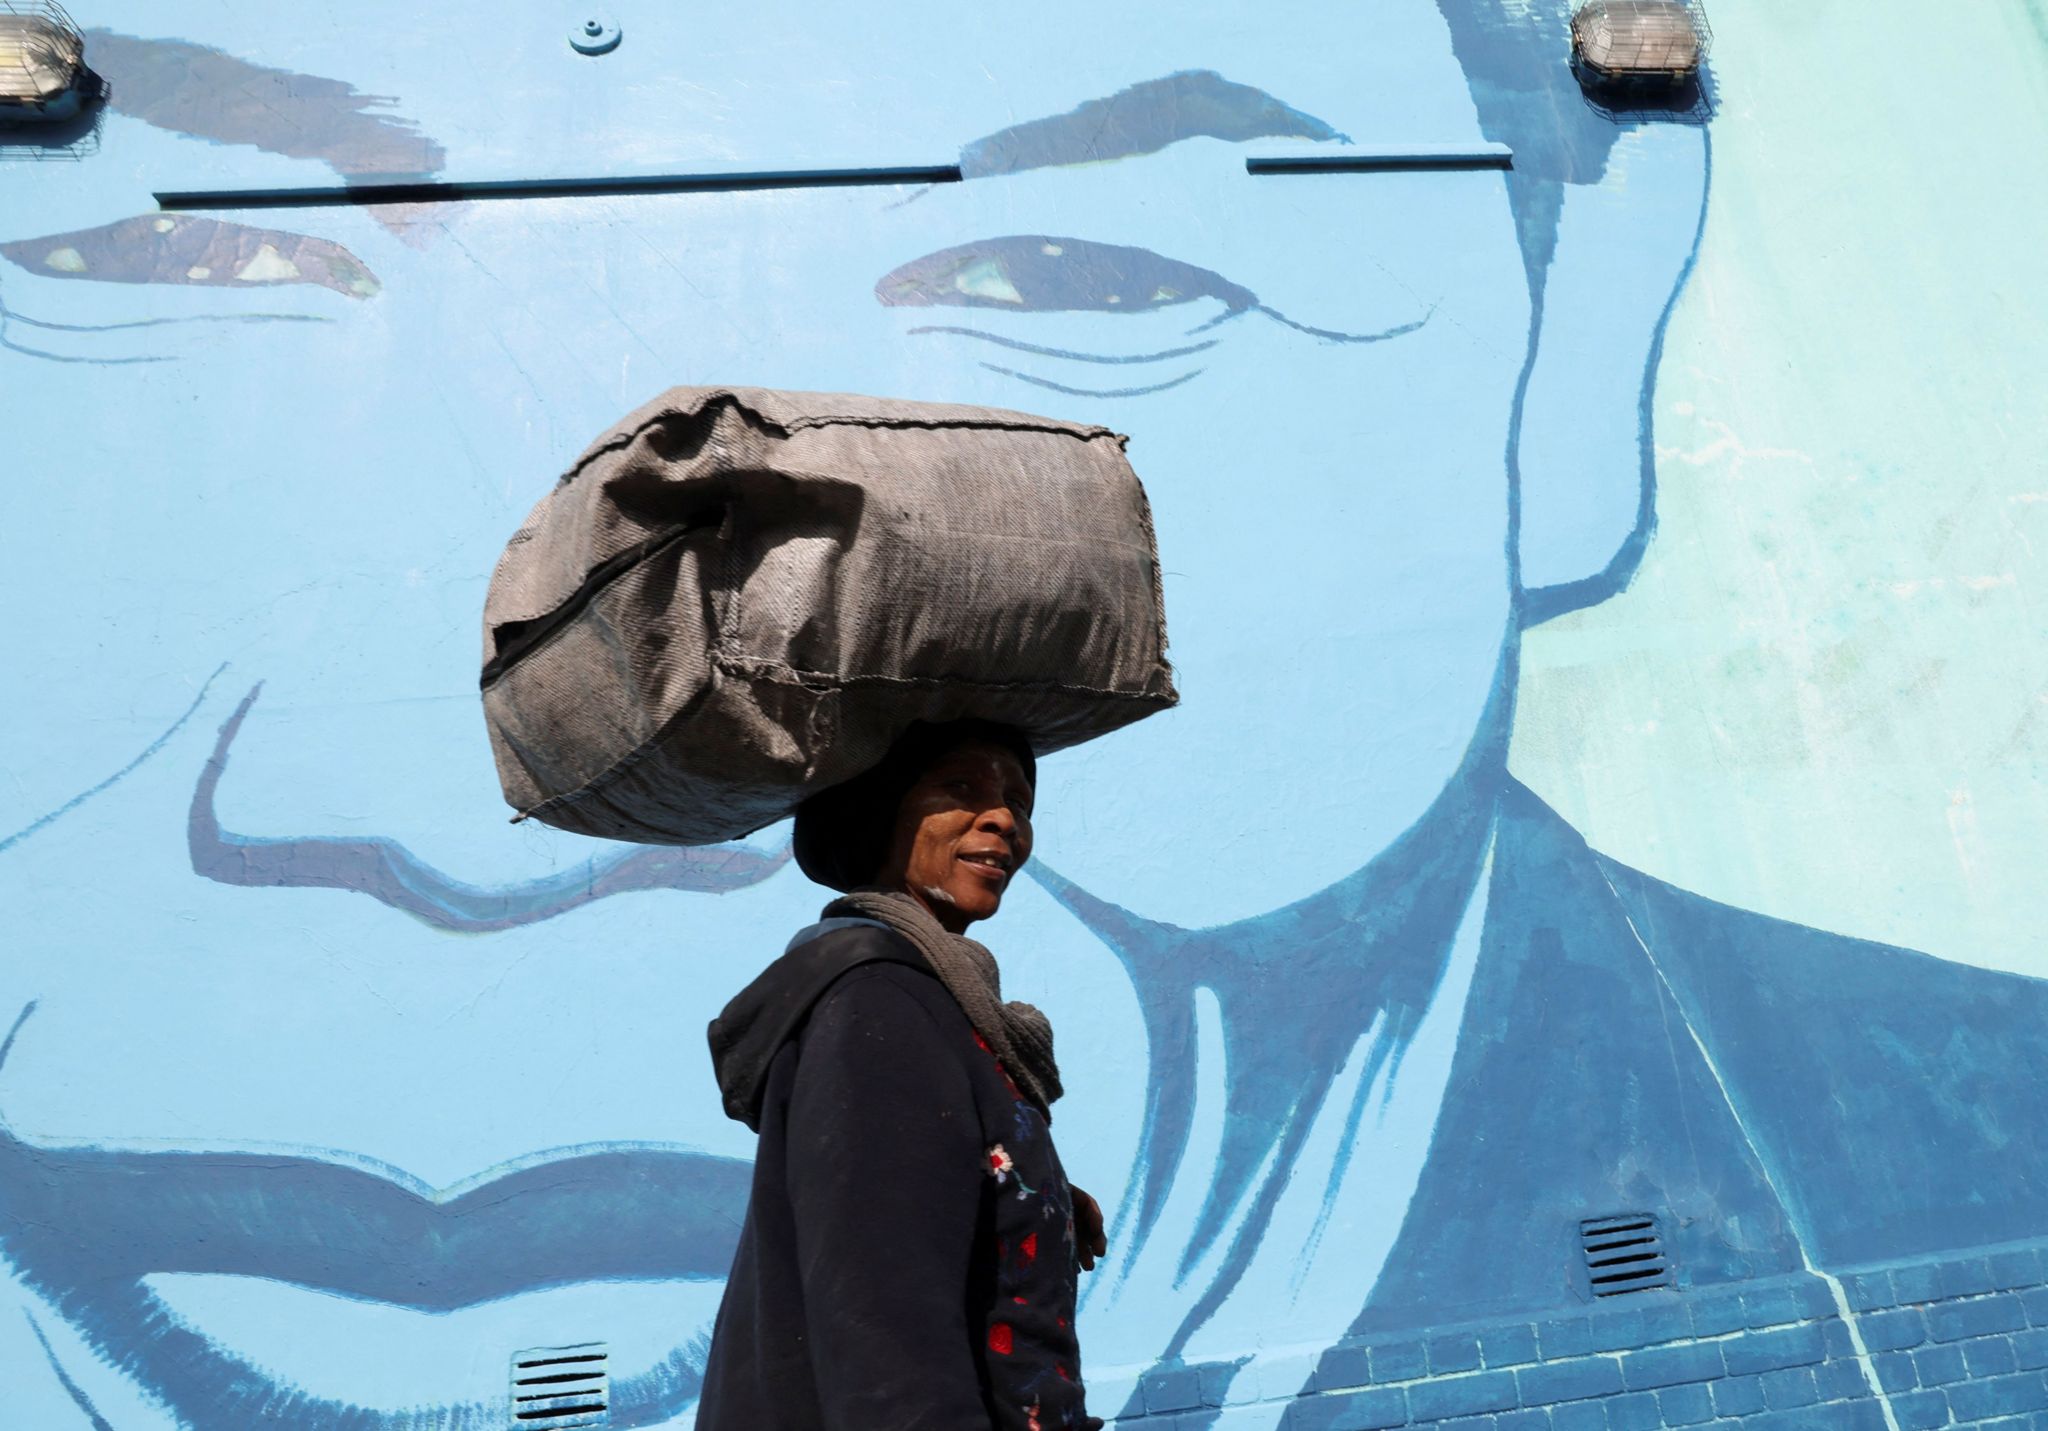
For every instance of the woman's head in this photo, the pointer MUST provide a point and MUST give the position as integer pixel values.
(945, 817)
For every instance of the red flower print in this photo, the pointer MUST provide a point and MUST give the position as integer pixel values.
(1028, 1248)
(999, 1163)
(1000, 1339)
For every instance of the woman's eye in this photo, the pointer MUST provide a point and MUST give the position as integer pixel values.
(1041, 273)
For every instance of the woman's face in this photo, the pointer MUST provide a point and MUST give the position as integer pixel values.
(961, 832)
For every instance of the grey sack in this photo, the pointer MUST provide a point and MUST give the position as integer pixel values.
(738, 597)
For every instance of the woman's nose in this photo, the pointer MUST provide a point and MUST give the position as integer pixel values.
(997, 819)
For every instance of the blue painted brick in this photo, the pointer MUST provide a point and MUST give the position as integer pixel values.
(2019, 1268)
(2036, 1304)
(1565, 1337)
(1791, 1387)
(1398, 1361)
(1848, 1416)
(1668, 1366)
(1637, 1412)
(1175, 1389)
(1767, 1351)
(1920, 1282)
(1612, 1331)
(1807, 1418)
(1835, 1338)
(1685, 1405)
(1343, 1365)
(1978, 1317)
(1569, 1380)
(1534, 1419)
(1772, 1306)
(1368, 1410)
(1666, 1318)
(1579, 1416)
(1966, 1278)
(1841, 1380)
(1462, 1396)
(1716, 1314)
(1466, 1423)
(1894, 1330)
(1738, 1396)
(1867, 1291)
(2000, 1396)
(1919, 1410)
(1814, 1297)
(2030, 1349)
(1215, 1378)
(1453, 1351)
(1989, 1356)
(1895, 1371)
(1938, 1366)
(1508, 1346)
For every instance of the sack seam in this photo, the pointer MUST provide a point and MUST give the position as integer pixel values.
(1080, 432)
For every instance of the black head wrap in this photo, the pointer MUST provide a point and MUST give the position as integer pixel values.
(843, 833)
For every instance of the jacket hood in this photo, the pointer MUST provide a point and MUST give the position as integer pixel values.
(767, 1013)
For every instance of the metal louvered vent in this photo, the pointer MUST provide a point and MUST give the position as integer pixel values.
(559, 1387)
(1624, 1253)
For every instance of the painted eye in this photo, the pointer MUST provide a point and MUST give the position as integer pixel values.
(1041, 273)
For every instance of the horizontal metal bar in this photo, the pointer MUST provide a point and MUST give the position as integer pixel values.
(449, 191)
(1491, 156)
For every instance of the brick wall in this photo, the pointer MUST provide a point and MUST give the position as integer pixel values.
(1944, 1342)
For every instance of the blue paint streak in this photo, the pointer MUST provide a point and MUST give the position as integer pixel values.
(1094, 392)
(391, 874)
(1069, 353)
(1543, 603)
(71, 1388)
(7, 1044)
(151, 749)
(1374, 943)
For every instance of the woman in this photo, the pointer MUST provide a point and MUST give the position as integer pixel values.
(911, 1245)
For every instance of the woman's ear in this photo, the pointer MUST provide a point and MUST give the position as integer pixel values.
(1585, 460)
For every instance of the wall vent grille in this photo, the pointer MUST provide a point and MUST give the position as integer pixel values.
(1624, 1253)
(554, 1388)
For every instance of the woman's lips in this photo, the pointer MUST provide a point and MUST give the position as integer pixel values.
(991, 866)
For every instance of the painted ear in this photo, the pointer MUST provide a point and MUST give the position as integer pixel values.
(1585, 457)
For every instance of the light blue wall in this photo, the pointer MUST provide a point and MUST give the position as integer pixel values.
(324, 1090)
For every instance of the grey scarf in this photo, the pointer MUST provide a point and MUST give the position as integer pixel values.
(1017, 1033)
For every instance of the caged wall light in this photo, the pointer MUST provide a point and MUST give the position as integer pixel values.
(43, 76)
(1639, 47)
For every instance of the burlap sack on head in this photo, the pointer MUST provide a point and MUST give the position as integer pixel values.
(738, 597)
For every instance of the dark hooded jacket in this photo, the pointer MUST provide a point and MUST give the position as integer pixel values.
(908, 1259)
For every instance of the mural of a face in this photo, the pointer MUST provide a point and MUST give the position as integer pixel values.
(323, 1146)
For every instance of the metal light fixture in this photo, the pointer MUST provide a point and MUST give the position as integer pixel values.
(1639, 47)
(43, 77)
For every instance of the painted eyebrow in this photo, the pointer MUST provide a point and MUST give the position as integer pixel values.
(1142, 119)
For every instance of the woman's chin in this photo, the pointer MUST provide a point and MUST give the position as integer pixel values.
(976, 902)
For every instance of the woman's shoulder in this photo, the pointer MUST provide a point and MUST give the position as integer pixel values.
(902, 995)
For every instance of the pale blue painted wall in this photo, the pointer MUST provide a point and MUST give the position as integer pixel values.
(329, 1090)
